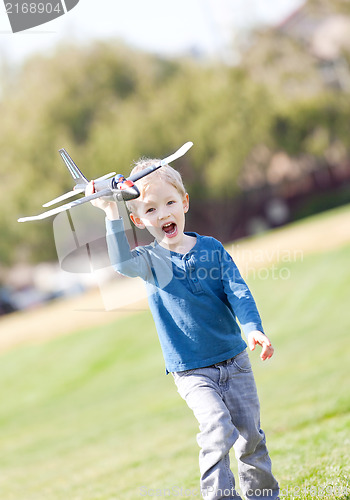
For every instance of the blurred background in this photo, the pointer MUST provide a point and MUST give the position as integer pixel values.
(262, 89)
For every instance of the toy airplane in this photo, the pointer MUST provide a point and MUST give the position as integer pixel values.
(113, 188)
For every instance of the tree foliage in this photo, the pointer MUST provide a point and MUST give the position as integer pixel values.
(108, 105)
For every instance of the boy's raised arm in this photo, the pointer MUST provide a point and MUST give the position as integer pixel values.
(125, 261)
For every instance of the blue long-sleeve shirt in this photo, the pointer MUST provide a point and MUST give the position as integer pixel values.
(195, 298)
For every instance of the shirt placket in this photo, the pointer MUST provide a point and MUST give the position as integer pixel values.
(191, 272)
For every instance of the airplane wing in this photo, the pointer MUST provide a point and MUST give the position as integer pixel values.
(64, 196)
(67, 206)
(180, 152)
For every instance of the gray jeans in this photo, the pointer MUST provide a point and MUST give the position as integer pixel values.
(224, 400)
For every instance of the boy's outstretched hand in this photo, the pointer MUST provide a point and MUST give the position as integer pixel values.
(256, 337)
(109, 207)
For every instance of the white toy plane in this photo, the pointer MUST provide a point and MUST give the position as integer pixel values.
(117, 188)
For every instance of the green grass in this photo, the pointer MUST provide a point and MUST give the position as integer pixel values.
(304, 390)
(92, 416)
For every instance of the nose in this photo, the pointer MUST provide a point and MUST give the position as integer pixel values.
(163, 214)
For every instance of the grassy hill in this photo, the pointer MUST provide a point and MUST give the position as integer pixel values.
(92, 416)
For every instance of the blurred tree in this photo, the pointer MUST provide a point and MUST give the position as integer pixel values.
(53, 102)
(304, 63)
(108, 105)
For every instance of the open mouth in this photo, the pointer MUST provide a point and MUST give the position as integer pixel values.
(170, 229)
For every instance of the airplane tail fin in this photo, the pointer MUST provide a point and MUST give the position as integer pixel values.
(79, 178)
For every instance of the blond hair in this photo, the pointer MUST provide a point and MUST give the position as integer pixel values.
(165, 173)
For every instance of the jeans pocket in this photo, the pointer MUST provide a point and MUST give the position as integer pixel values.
(242, 362)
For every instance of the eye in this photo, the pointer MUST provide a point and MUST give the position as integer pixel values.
(149, 210)
(171, 202)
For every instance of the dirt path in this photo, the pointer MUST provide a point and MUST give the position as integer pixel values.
(316, 234)
(126, 296)
(68, 315)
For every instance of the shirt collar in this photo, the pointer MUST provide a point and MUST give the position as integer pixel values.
(188, 233)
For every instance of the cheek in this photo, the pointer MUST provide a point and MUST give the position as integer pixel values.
(150, 221)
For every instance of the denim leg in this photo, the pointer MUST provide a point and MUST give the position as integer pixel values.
(254, 464)
(217, 432)
(224, 400)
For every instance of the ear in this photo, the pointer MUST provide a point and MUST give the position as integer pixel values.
(186, 203)
(137, 221)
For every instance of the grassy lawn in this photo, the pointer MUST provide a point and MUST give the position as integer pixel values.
(304, 391)
(92, 416)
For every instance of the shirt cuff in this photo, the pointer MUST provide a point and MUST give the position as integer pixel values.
(114, 226)
(250, 327)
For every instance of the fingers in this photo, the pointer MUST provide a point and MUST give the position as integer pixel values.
(251, 343)
(90, 188)
(267, 351)
(110, 208)
(259, 338)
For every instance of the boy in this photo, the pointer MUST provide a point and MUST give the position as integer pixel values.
(195, 293)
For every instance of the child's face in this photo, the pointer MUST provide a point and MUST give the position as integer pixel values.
(161, 210)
